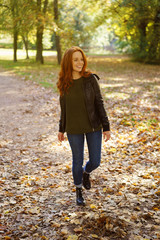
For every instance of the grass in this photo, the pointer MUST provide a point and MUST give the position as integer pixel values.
(45, 75)
(28, 69)
(7, 54)
(117, 72)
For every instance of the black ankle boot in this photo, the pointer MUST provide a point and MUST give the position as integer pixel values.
(86, 181)
(79, 199)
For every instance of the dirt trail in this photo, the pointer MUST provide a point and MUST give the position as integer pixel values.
(28, 126)
(26, 109)
(37, 198)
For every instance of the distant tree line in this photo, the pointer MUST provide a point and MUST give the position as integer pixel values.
(134, 23)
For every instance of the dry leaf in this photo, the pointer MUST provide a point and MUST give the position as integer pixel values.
(78, 230)
(72, 237)
(92, 206)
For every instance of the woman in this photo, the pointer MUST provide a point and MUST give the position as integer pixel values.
(82, 116)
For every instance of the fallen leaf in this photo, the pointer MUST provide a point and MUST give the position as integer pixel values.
(72, 237)
(94, 236)
(78, 230)
(92, 206)
(35, 210)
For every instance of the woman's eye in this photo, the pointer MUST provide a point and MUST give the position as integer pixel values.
(75, 60)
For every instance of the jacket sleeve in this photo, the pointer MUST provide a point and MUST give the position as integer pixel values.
(100, 105)
(62, 114)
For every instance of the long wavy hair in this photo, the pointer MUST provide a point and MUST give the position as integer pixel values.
(65, 75)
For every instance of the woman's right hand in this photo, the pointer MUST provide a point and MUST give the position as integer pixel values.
(61, 136)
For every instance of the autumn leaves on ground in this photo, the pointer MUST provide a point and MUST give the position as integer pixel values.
(37, 193)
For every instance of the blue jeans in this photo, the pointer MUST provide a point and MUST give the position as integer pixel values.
(94, 142)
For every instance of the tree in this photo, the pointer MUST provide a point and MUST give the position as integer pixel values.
(27, 22)
(138, 24)
(57, 37)
(41, 12)
(75, 24)
(154, 47)
(10, 18)
(18, 19)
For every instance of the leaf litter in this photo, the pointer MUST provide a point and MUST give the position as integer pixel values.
(37, 198)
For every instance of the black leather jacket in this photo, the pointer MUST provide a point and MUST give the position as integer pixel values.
(94, 104)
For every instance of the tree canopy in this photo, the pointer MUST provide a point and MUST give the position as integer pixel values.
(134, 24)
(137, 25)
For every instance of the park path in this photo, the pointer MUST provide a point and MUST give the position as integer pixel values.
(22, 103)
(37, 196)
(28, 128)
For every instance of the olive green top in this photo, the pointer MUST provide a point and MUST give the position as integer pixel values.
(77, 120)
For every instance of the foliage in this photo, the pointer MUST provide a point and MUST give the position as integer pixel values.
(74, 25)
(135, 24)
(5, 16)
(138, 24)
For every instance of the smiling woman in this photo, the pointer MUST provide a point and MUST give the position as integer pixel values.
(77, 64)
(68, 62)
(82, 116)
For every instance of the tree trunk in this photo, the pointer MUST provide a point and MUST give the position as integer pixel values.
(154, 49)
(15, 39)
(39, 44)
(14, 11)
(39, 34)
(58, 48)
(40, 29)
(142, 29)
(25, 41)
(57, 37)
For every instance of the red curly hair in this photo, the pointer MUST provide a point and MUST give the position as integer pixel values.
(65, 75)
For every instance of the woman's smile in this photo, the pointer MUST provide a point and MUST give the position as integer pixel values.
(77, 61)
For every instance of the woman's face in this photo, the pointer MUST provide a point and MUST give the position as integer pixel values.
(77, 61)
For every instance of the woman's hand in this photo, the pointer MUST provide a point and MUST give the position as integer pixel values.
(61, 136)
(106, 135)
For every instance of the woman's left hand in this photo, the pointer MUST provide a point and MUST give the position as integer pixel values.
(106, 135)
